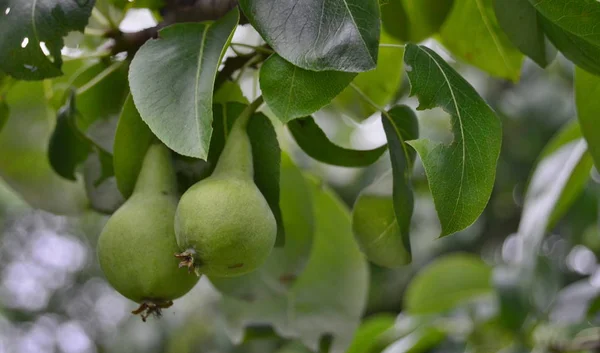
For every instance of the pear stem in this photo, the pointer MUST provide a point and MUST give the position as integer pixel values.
(157, 174)
(236, 158)
(245, 115)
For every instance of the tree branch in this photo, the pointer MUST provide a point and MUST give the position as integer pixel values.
(175, 11)
(234, 63)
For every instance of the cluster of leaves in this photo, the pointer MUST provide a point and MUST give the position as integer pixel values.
(347, 55)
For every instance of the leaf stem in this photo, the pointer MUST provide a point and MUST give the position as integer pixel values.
(366, 98)
(99, 16)
(231, 65)
(72, 121)
(95, 55)
(91, 83)
(94, 32)
(251, 109)
(391, 45)
(260, 49)
(254, 60)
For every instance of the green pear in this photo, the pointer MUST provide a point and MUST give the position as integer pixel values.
(223, 223)
(136, 246)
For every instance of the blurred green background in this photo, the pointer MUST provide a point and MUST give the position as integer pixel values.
(53, 297)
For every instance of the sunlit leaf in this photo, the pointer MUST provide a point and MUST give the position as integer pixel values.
(371, 329)
(447, 282)
(472, 33)
(172, 80)
(319, 35)
(315, 143)
(292, 92)
(32, 35)
(461, 174)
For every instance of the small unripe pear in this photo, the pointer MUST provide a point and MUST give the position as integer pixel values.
(224, 225)
(136, 246)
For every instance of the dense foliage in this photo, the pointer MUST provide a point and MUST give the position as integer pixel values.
(244, 93)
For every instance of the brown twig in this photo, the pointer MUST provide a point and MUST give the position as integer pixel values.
(175, 11)
(235, 63)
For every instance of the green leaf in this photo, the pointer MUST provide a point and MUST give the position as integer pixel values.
(266, 156)
(461, 175)
(400, 125)
(229, 92)
(420, 341)
(294, 347)
(132, 139)
(30, 27)
(581, 52)
(558, 178)
(224, 117)
(367, 336)
(67, 148)
(519, 20)
(587, 91)
(472, 33)
(448, 282)
(319, 35)
(489, 337)
(24, 163)
(314, 307)
(286, 263)
(577, 17)
(513, 300)
(376, 228)
(172, 80)
(265, 153)
(4, 113)
(383, 211)
(292, 92)
(101, 190)
(149, 4)
(315, 143)
(569, 133)
(414, 20)
(101, 93)
(379, 85)
(394, 20)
